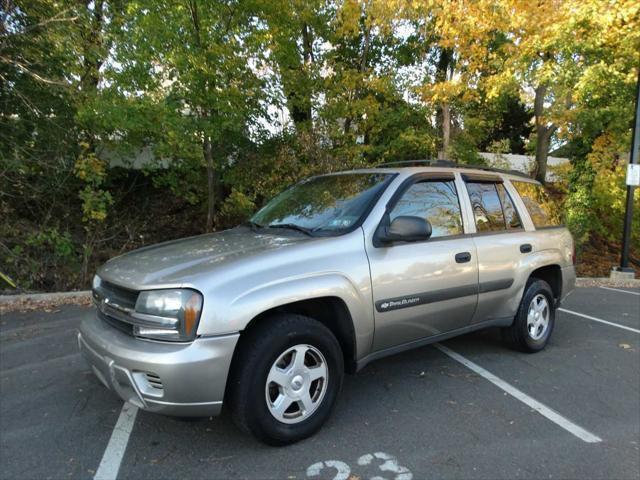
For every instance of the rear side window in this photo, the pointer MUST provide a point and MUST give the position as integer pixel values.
(486, 205)
(511, 217)
(538, 204)
(436, 201)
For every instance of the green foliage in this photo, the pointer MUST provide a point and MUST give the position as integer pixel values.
(592, 194)
(47, 257)
(92, 172)
(232, 101)
(578, 208)
(236, 208)
(464, 150)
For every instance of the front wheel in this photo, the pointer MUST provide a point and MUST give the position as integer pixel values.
(535, 319)
(285, 379)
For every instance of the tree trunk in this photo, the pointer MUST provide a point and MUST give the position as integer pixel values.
(212, 186)
(446, 131)
(93, 56)
(543, 139)
(307, 56)
(443, 116)
(543, 134)
(207, 149)
(365, 50)
(364, 59)
(92, 37)
(295, 76)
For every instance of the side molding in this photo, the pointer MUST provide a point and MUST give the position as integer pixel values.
(406, 301)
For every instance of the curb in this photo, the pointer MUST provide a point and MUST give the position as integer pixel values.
(44, 297)
(28, 302)
(606, 282)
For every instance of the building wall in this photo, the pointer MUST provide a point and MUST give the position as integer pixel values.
(522, 163)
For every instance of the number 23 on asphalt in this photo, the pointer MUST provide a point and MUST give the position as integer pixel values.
(389, 464)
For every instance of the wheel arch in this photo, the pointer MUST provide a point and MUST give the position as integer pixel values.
(552, 274)
(331, 298)
(331, 311)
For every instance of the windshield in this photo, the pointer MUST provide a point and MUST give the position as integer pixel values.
(330, 203)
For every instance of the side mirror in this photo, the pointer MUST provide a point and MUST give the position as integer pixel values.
(405, 229)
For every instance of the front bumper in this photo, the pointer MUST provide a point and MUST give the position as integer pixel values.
(181, 379)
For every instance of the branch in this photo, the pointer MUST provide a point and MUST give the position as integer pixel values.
(193, 9)
(32, 74)
(57, 18)
(24, 99)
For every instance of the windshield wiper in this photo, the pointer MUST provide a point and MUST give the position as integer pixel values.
(292, 226)
(252, 225)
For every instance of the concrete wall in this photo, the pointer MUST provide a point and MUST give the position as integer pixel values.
(522, 163)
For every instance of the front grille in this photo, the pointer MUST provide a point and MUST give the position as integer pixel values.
(115, 323)
(114, 303)
(118, 295)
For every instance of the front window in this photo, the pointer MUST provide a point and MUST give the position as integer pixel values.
(329, 204)
(435, 201)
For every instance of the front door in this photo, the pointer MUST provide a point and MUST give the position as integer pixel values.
(425, 288)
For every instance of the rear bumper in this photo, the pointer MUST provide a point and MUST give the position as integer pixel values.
(568, 282)
(181, 379)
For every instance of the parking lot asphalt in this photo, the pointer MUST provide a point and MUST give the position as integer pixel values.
(419, 414)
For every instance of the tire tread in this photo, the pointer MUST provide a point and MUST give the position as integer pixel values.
(253, 344)
(515, 334)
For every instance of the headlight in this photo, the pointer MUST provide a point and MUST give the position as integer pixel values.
(167, 314)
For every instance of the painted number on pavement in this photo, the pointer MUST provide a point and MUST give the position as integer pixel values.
(387, 464)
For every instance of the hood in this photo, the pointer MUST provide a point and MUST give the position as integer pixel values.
(177, 261)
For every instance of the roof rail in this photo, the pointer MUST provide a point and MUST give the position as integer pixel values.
(418, 163)
(449, 164)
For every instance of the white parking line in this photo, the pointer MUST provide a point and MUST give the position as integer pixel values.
(542, 409)
(606, 322)
(623, 291)
(112, 458)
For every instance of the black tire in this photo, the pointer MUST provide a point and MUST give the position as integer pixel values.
(258, 349)
(518, 335)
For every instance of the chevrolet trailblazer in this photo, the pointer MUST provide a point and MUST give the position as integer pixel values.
(335, 272)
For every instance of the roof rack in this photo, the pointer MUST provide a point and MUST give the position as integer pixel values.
(448, 164)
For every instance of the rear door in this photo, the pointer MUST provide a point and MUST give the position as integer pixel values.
(501, 244)
(426, 288)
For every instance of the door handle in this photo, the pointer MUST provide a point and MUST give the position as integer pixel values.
(463, 257)
(526, 248)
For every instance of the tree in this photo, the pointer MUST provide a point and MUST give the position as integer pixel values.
(295, 28)
(196, 65)
(363, 81)
(547, 48)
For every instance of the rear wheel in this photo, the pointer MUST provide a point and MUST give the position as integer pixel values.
(285, 378)
(535, 319)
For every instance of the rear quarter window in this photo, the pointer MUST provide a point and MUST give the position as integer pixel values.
(542, 210)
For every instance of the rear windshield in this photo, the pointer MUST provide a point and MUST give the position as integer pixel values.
(541, 209)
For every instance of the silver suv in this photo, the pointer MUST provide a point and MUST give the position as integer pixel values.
(335, 272)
